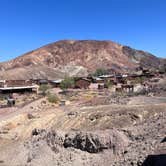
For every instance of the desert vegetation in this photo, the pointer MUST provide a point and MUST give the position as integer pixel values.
(52, 98)
(67, 83)
(100, 71)
(43, 89)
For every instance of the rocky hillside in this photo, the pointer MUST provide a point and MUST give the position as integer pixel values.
(75, 58)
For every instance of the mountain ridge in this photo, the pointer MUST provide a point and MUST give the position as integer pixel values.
(84, 56)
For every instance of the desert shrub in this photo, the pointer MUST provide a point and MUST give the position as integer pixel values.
(139, 80)
(52, 98)
(43, 88)
(68, 82)
(100, 72)
(2, 97)
(109, 84)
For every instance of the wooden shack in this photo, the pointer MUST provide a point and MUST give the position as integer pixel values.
(119, 79)
(107, 77)
(55, 83)
(43, 82)
(17, 86)
(82, 83)
(17, 83)
(125, 88)
(101, 86)
(128, 88)
(98, 80)
(21, 89)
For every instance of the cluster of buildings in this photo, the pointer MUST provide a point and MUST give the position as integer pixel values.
(122, 82)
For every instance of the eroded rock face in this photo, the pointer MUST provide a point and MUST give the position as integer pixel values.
(50, 137)
(92, 142)
(85, 141)
(97, 141)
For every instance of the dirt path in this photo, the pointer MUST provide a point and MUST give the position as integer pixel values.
(6, 113)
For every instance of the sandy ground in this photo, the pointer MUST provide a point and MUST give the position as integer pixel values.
(16, 125)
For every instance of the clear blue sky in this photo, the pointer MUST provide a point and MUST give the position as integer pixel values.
(29, 24)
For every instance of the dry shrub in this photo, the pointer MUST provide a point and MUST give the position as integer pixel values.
(52, 98)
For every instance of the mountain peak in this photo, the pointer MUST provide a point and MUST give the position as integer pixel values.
(87, 55)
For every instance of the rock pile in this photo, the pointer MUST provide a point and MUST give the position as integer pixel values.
(92, 142)
(97, 141)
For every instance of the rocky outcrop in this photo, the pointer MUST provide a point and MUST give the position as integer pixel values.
(145, 59)
(97, 141)
(92, 142)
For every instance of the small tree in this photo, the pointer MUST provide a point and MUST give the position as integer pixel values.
(68, 82)
(43, 88)
(100, 72)
(108, 84)
(52, 98)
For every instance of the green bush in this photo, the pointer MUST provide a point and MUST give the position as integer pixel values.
(52, 98)
(43, 88)
(109, 84)
(2, 98)
(68, 82)
(100, 72)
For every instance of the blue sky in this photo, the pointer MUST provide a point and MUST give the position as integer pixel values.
(29, 24)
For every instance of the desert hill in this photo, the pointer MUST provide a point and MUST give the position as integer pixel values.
(76, 58)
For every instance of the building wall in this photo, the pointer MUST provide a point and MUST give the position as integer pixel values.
(12, 83)
(83, 84)
(16, 91)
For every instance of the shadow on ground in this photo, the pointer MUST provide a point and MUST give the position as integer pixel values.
(155, 160)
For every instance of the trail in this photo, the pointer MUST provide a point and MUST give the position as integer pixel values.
(9, 112)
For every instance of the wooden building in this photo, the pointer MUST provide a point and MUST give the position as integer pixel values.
(82, 83)
(55, 83)
(18, 89)
(125, 88)
(17, 83)
(119, 79)
(97, 80)
(107, 77)
(43, 82)
(101, 86)
(128, 88)
(17, 86)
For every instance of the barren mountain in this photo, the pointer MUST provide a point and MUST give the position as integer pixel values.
(75, 57)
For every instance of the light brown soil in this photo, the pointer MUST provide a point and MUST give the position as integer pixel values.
(138, 120)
